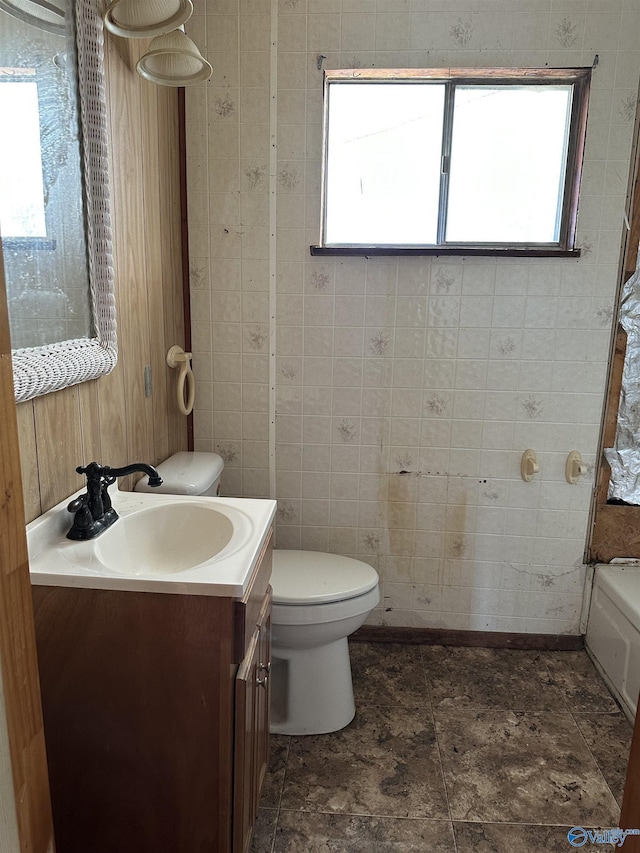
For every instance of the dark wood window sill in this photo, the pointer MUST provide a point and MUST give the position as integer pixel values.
(442, 251)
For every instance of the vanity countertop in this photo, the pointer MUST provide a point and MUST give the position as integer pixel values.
(95, 564)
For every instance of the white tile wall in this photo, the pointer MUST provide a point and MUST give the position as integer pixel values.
(407, 388)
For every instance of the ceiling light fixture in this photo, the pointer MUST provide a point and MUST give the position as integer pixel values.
(39, 13)
(174, 60)
(136, 19)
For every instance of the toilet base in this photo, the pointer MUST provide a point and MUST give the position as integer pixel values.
(311, 689)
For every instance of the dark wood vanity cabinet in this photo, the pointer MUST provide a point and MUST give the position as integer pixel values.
(156, 710)
(251, 746)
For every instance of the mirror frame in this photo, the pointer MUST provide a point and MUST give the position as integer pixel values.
(41, 370)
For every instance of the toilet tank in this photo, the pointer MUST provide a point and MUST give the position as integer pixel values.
(187, 473)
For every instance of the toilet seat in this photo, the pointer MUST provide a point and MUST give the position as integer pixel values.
(314, 578)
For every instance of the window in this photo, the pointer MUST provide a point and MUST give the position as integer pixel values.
(22, 213)
(445, 162)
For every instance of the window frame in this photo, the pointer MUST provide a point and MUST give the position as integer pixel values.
(578, 78)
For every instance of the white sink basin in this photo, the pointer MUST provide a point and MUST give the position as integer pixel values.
(166, 538)
(160, 543)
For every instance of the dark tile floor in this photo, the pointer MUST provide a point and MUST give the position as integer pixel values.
(452, 750)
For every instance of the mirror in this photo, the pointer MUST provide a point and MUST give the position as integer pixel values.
(54, 211)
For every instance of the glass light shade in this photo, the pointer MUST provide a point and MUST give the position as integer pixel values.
(48, 16)
(174, 60)
(146, 18)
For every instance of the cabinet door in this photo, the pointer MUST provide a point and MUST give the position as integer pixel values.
(251, 741)
(261, 739)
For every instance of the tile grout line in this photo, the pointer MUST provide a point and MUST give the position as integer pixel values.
(554, 683)
(435, 734)
(279, 806)
(273, 168)
(591, 753)
(572, 713)
(435, 820)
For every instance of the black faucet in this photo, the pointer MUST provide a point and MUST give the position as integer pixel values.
(93, 510)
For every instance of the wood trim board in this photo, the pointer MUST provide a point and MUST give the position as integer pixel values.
(18, 664)
(477, 639)
(613, 528)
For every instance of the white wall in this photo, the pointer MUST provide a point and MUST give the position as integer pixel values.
(448, 368)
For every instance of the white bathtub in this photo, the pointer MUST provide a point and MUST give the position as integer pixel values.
(613, 630)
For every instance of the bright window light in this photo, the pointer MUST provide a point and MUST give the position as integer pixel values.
(21, 186)
(372, 193)
(428, 159)
(508, 157)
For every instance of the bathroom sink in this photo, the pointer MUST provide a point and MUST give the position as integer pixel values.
(192, 545)
(166, 538)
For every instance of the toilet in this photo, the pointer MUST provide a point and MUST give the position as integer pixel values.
(187, 474)
(319, 599)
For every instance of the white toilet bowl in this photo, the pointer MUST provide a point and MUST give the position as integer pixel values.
(318, 600)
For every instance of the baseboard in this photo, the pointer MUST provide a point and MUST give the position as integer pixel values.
(480, 639)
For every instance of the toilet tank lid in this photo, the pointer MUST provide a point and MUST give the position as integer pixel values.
(185, 473)
(313, 577)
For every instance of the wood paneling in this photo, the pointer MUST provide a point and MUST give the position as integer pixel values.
(153, 255)
(177, 311)
(58, 428)
(18, 665)
(110, 419)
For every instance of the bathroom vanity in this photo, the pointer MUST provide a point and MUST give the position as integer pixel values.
(156, 704)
